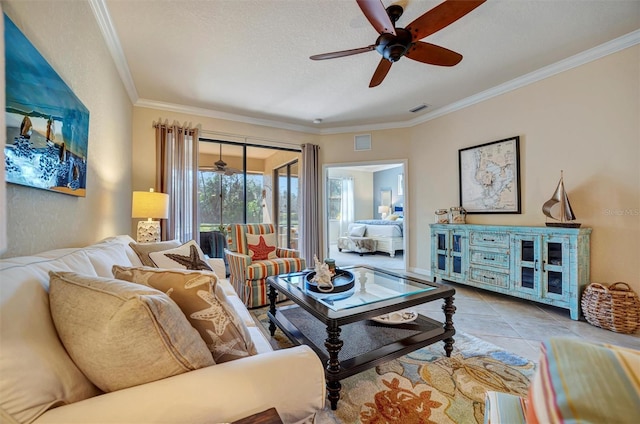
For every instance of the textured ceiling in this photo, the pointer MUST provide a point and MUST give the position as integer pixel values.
(249, 59)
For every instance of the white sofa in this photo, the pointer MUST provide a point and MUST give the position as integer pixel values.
(39, 382)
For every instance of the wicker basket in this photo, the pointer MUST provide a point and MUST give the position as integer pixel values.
(615, 307)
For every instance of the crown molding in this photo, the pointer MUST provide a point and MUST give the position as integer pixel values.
(210, 113)
(574, 61)
(103, 18)
(101, 13)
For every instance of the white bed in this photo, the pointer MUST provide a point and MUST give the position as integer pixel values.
(388, 234)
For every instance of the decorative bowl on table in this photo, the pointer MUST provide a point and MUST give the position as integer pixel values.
(342, 281)
(395, 318)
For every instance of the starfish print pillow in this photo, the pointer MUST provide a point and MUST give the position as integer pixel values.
(262, 246)
(187, 256)
(203, 302)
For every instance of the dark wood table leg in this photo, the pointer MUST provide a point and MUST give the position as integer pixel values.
(449, 310)
(333, 345)
(273, 295)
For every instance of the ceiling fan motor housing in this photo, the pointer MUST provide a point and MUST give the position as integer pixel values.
(393, 47)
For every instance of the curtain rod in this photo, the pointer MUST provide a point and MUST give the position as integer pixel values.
(176, 125)
(246, 138)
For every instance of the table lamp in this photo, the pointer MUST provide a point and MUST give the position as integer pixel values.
(149, 204)
(383, 211)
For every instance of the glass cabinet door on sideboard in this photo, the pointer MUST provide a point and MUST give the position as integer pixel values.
(556, 273)
(541, 266)
(526, 258)
(449, 255)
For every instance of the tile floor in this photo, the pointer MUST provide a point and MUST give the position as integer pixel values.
(519, 325)
(514, 324)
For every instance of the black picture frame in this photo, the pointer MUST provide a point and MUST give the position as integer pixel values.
(489, 177)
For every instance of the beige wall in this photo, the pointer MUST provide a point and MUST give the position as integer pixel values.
(583, 121)
(68, 37)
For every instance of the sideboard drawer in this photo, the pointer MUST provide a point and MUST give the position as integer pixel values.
(485, 276)
(484, 257)
(489, 239)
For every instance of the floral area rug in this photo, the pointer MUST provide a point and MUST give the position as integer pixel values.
(425, 386)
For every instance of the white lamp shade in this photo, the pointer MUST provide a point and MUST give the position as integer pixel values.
(150, 204)
(383, 209)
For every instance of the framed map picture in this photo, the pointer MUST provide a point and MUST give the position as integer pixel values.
(490, 177)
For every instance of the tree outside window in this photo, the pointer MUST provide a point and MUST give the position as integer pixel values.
(210, 187)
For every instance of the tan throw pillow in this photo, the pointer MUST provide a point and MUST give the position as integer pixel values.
(143, 249)
(122, 334)
(204, 303)
(187, 256)
(262, 246)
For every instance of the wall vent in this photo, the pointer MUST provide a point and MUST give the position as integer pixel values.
(362, 142)
(418, 108)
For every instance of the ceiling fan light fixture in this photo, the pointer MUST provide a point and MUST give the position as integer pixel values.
(393, 43)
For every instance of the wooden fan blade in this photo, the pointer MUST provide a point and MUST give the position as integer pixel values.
(381, 71)
(342, 53)
(440, 16)
(433, 55)
(376, 13)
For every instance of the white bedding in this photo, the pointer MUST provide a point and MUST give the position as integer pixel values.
(382, 228)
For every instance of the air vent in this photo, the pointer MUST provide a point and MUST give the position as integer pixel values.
(418, 108)
(362, 142)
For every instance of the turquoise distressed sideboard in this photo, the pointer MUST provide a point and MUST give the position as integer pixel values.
(544, 264)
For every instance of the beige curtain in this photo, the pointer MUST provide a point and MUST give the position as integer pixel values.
(176, 175)
(310, 222)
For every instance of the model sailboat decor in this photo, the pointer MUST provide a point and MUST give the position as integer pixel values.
(563, 214)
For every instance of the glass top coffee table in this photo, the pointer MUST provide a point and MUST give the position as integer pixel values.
(360, 328)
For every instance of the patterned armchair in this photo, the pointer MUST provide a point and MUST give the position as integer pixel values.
(253, 256)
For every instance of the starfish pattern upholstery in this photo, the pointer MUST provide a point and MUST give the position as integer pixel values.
(193, 261)
(261, 250)
(204, 303)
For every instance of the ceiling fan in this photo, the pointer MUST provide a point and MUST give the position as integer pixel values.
(222, 168)
(393, 43)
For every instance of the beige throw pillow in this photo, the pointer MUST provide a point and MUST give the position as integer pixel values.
(187, 256)
(143, 249)
(204, 303)
(122, 334)
(262, 246)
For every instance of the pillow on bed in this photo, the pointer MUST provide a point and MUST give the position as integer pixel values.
(391, 217)
(357, 230)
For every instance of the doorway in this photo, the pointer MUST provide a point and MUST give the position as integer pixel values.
(373, 195)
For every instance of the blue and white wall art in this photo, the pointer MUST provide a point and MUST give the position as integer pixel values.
(47, 125)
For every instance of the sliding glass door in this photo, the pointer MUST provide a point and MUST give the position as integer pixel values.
(286, 180)
(239, 183)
